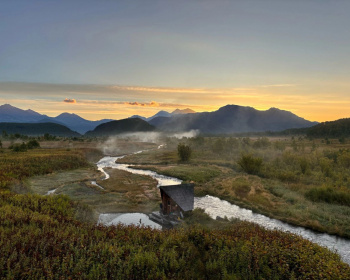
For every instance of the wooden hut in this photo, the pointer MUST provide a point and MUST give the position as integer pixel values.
(177, 198)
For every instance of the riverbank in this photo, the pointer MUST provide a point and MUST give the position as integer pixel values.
(283, 198)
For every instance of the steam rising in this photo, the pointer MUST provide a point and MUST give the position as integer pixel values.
(189, 134)
(111, 145)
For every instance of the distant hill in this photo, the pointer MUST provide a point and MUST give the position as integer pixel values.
(334, 129)
(184, 111)
(165, 114)
(233, 119)
(77, 123)
(120, 126)
(9, 113)
(38, 129)
(138, 117)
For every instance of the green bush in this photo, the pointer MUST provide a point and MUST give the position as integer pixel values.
(250, 164)
(304, 165)
(19, 147)
(32, 144)
(184, 151)
(329, 195)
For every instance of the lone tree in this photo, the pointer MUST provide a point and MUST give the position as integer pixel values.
(184, 151)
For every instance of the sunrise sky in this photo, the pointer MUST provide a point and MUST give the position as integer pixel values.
(113, 59)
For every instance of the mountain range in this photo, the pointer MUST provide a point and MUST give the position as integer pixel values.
(232, 119)
(38, 129)
(227, 120)
(11, 114)
(165, 114)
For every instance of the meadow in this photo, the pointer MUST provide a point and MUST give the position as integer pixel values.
(301, 181)
(56, 236)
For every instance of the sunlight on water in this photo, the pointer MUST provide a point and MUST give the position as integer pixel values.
(138, 219)
(111, 162)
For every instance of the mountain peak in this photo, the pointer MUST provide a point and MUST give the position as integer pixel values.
(183, 111)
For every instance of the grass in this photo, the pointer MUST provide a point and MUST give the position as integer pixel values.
(123, 192)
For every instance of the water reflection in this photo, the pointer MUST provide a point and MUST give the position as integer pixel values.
(138, 219)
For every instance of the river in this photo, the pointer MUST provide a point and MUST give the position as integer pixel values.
(214, 207)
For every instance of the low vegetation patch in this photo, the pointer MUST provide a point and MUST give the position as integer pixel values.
(44, 240)
(18, 166)
(329, 195)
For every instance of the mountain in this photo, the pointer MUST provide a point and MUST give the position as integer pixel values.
(184, 111)
(120, 126)
(160, 114)
(165, 114)
(77, 123)
(38, 129)
(9, 113)
(138, 116)
(233, 119)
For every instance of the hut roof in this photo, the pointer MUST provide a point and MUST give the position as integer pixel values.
(182, 194)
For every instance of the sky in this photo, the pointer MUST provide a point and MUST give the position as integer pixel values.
(113, 59)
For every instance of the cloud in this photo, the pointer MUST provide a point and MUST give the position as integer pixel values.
(68, 100)
(150, 104)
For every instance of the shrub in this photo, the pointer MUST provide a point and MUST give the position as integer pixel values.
(184, 151)
(329, 195)
(326, 165)
(262, 143)
(32, 144)
(18, 147)
(304, 165)
(250, 164)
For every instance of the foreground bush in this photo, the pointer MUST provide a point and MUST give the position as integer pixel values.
(40, 239)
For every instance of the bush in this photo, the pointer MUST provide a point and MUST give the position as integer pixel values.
(262, 143)
(329, 195)
(18, 147)
(304, 165)
(250, 164)
(32, 144)
(184, 151)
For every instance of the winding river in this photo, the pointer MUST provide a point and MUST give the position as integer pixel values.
(214, 207)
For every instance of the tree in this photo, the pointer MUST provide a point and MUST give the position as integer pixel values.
(32, 144)
(4, 134)
(184, 151)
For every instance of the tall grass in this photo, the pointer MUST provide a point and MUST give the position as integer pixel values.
(18, 166)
